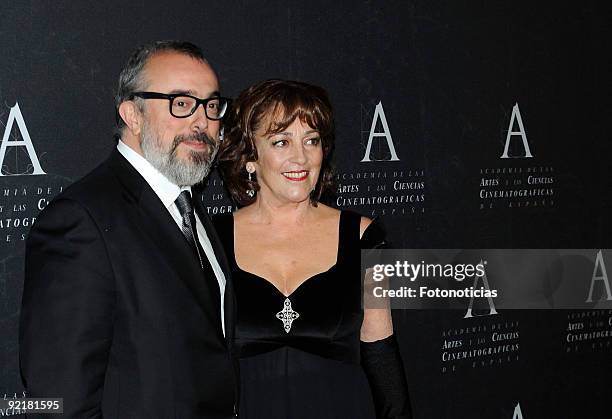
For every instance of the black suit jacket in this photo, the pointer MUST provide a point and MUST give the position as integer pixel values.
(115, 315)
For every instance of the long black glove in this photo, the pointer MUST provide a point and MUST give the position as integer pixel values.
(384, 368)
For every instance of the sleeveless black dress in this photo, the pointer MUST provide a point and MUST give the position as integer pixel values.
(311, 371)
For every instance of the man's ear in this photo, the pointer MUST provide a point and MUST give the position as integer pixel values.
(132, 117)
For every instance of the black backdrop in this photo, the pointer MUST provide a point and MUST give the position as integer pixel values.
(442, 80)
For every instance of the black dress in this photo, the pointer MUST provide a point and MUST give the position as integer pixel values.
(311, 371)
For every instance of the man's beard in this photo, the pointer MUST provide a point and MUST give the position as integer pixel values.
(182, 172)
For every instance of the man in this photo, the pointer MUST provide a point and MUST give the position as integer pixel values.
(127, 306)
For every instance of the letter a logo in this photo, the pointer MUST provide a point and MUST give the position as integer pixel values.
(516, 116)
(517, 412)
(15, 115)
(485, 283)
(603, 277)
(379, 113)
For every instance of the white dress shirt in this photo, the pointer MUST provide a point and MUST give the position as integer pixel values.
(167, 193)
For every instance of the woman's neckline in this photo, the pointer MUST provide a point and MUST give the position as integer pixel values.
(303, 281)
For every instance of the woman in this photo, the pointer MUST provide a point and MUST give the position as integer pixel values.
(296, 268)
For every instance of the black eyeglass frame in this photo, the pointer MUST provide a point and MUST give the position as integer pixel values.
(171, 97)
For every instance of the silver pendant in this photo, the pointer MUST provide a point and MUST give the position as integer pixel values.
(287, 315)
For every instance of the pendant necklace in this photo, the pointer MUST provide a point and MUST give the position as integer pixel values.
(287, 315)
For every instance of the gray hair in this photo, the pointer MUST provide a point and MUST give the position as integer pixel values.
(131, 77)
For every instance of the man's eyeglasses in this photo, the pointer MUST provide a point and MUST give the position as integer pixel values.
(183, 106)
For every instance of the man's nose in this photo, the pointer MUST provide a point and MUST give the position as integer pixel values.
(200, 121)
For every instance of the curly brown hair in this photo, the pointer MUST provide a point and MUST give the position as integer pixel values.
(280, 102)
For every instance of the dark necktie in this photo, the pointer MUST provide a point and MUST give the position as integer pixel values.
(188, 227)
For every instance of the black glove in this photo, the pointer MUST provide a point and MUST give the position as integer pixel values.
(384, 368)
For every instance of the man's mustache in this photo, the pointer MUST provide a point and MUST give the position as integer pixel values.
(201, 137)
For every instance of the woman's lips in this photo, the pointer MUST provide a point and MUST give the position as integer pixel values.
(296, 176)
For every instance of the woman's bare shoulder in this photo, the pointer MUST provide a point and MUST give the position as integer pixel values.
(334, 213)
(327, 211)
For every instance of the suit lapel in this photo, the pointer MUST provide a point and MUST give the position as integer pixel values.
(158, 225)
(163, 230)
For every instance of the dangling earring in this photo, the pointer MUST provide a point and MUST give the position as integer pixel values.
(250, 192)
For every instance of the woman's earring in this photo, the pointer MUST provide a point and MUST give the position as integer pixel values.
(250, 192)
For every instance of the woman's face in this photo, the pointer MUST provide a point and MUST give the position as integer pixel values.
(288, 163)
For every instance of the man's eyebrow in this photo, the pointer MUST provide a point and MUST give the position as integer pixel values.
(181, 92)
(190, 93)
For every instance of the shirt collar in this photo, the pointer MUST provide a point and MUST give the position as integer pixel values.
(166, 190)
